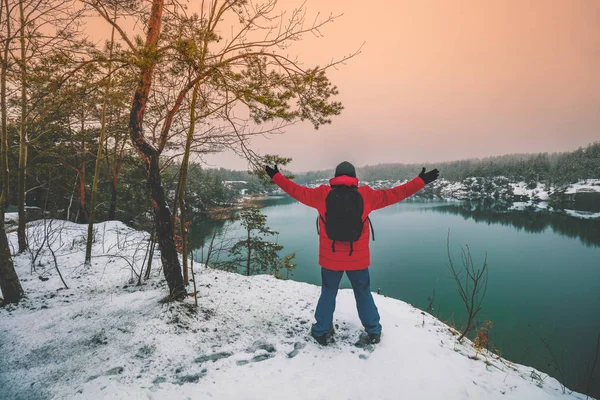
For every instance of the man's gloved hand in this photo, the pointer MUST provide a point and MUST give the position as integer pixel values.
(429, 176)
(271, 171)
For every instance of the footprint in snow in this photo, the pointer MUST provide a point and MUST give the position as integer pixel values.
(213, 357)
(193, 378)
(297, 346)
(112, 371)
(259, 345)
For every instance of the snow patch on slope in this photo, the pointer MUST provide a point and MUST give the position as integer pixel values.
(106, 338)
(11, 217)
(582, 214)
(585, 185)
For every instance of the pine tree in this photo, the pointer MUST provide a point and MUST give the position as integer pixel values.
(255, 254)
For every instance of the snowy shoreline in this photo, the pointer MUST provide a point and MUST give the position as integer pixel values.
(521, 195)
(106, 338)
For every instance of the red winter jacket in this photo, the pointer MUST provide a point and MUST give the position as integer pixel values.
(341, 260)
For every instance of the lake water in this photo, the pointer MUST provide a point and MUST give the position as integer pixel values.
(544, 270)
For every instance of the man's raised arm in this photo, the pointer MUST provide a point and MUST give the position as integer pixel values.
(304, 195)
(385, 197)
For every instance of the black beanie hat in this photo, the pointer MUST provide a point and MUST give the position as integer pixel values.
(345, 168)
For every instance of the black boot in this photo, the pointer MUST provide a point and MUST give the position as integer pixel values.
(365, 339)
(374, 338)
(324, 340)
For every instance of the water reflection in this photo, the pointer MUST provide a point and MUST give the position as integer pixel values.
(203, 228)
(530, 219)
(274, 201)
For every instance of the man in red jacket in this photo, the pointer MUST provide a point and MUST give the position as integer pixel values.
(354, 258)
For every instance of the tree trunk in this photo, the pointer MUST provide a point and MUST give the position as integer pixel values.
(90, 234)
(249, 255)
(117, 163)
(112, 211)
(83, 214)
(21, 230)
(184, 246)
(4, 138)
(9, 281)
(183, 182)
(83, 211)
(164, 230)
(151, 255)
(150, 155)
(23, 142)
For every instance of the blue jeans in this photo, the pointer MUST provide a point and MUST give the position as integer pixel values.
(367, 311)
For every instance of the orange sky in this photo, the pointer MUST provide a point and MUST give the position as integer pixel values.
(445, 80)
(449, 79)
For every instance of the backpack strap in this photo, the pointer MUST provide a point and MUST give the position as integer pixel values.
(324, 223)
(333, 246)
(371, 225)
(372, 231)
(351, 248)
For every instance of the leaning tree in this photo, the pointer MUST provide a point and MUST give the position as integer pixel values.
(235, 52)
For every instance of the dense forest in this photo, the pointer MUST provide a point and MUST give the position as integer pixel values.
(555, 168)
(107, 127)
(206, 188)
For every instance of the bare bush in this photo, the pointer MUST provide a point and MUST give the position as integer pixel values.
(471, 283)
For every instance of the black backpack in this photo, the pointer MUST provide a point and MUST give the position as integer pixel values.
(343, 221)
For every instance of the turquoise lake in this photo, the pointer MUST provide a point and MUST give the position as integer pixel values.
(544, 270)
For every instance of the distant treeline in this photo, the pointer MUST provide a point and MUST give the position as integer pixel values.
(205, 190)
(555, 168)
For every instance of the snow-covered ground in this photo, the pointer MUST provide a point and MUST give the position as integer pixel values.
(11, 220)
(106, 338)
(586, 185)
(538, 193)
(11, 217)
(582, 214)
(522, 195)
